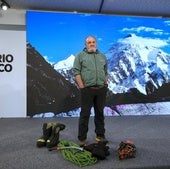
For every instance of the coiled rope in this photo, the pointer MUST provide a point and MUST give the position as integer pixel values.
(76, 154)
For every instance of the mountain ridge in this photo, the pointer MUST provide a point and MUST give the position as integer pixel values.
(132, 64)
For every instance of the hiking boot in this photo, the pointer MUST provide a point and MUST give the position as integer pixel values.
(101, 139)
(54, 138)
(82, 143)
(47, 130)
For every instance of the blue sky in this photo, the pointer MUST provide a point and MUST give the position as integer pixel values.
(57, 35)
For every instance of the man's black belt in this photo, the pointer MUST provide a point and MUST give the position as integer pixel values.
(95, 87)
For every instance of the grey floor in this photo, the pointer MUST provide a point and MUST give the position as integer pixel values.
(151, 135)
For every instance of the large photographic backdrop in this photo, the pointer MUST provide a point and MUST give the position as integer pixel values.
(138, 55)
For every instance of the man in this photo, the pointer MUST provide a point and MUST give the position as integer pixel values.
(90, 71)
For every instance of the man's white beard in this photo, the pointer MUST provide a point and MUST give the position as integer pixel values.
(92, 49)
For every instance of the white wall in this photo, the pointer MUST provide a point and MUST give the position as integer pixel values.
(12, 44)
(12, 73)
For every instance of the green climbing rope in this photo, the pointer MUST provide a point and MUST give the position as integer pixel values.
(75, 154)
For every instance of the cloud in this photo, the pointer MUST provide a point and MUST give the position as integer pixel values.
(62, 23)
(144, 29)
(155, 42)
(168, 39)
(100, 39)
(167, 23)
(85, 15)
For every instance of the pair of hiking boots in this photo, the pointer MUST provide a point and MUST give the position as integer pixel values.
(50, 137)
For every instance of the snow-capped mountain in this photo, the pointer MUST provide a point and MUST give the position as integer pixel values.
(64, 67)
(65, 64)
(133, 62)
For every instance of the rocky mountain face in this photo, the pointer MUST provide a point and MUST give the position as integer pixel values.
(134, 64)
(47, 90)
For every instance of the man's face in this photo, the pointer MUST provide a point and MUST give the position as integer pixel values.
(91, 44)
